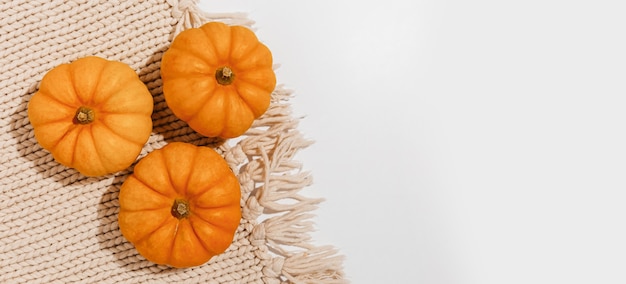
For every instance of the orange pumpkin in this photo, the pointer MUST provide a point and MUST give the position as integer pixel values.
(181, 205)
(218, 79)
(93, 115)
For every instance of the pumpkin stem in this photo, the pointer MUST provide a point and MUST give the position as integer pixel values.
(224, 75)
(84, 115)
(180, 209)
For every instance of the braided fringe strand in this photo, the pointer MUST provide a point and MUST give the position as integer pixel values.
(271, 181)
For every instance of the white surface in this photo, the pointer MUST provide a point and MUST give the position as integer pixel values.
(460, 141)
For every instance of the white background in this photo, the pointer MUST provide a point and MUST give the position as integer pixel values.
(460, 141)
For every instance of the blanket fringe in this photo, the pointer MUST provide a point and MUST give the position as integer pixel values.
(278, 182)
(271, 181)
(190, 16)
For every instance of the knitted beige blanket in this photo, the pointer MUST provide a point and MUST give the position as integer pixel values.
(58, 226)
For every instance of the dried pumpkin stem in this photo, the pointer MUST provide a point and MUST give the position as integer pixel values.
(84, 115)
(224, 75)
(180, 209)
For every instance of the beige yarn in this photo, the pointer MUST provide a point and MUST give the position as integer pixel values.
(57, 226)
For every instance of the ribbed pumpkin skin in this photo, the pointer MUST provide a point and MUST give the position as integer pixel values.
(192, 90)
(121, 109)
(199, 178)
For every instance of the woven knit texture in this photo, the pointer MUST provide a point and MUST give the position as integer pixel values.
(58, 226)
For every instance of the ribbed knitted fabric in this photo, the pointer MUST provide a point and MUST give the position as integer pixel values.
(58, 226)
